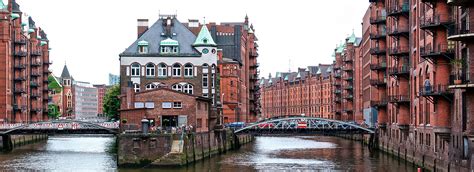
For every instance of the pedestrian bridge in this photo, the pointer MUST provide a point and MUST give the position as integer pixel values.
(302, 124)
(60, 127)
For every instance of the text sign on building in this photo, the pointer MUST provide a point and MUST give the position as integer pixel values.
(166, 105)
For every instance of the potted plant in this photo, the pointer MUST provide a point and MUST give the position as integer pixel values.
(457, 68)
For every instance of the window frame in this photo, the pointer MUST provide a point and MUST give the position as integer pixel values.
(177, 105)
(188, 70)
(176, 70)
(135, 69)
(150, 70)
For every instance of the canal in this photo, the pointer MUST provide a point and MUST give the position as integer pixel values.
(297, 153)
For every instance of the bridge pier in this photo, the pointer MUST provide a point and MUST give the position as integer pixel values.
(7, 144)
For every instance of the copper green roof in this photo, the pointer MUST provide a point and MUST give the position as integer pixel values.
(2, 5)
(169, 42)
(43, 43)
(204, 38)
(286, 77)
(15, 16)
(143, 43)
(340, 49)
(31, 30)
(352, 38)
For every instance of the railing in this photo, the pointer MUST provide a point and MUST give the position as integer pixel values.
(337, 75)
(20, 40)
(378, 35)
(399, 98)
(399, 30)
(377, 50)
(21, 66)
(378, 82)
(349, 97)
(19, 90)
(380, 103)
(337, 92)
(461, 32)
(36, 53)
(33, 63)
(20, 53)
(378, 66)
(399, 50)
(378, 19)
(398, 9)
(431, 90)
(348, 88)
(464, 3)
(35, 74)
(19, 78)
(34, 95)
(438, 49)
(253, 54)
(347, 68)
(399, 70)
(435, 20)
(33, 84)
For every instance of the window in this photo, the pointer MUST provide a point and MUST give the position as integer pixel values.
(135, 69)
(177, 105)
(205, 82)
(136, 88)
(166, 105)
(177, 87)
(188, 88)
(231, 83)
(188, 70)
(150, 86)
(139, 105)
(162, 69)
(176, 69)
(142, 49)
(150, 105)
(205, 95)
(150, 69)
(213, 80)
(199, 123)
(175, 49)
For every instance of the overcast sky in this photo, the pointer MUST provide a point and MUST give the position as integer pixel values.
(90, 34)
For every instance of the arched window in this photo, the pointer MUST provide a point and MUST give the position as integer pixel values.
(150, 69)
(150, 86)
(176, 69)
(188, 88)
(136, 88)
(205, 65)
(162, 71)
(177, 87)
(135, 69)
(188, 70)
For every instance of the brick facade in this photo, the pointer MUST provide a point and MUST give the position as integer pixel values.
(24, 67)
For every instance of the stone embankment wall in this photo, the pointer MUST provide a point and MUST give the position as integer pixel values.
(147, 150)
(20, 140)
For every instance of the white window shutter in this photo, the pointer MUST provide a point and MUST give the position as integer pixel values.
(169, 71)
(128, 70)
(195, 71)
(143, 71)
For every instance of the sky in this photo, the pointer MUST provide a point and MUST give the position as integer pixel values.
(89, 35)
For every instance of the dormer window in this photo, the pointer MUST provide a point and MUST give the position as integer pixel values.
(169, 46)
(143, 47)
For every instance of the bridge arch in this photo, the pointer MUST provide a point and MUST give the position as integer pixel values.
(56, 126)
(309, 123)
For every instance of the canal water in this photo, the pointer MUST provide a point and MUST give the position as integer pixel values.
(296, 153)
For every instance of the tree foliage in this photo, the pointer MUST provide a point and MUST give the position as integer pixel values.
(112, 102)
(53, 111)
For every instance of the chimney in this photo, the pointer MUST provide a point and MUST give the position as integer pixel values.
(130, 95)
(142, 26)
(219, 54)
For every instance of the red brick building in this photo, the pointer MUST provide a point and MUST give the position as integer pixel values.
(165, 108)
(101, 90)
(24, 67)
(238, 44)
(308, 91)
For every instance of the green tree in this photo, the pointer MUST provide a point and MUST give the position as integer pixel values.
(53, 111)
(112, 102)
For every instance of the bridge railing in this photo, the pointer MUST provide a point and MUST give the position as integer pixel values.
(59, 125)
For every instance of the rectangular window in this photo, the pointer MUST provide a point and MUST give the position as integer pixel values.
(199, 123)
(150, 105)
(177, 105)
(213, 80)
(166, 105)
(139, 105)
(205, 82)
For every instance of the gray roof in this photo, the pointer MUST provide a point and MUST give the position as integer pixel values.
(325, 70)
(154, 36)
(15, 6)
(313, 69)
(65, 73)
(43, 34)
(230, 44)
(31, 22)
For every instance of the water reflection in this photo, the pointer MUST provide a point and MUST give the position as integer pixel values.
(317, 153)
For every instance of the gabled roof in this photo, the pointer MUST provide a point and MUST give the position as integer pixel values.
(154, 37)
(204, 38)
(15, 6)
(352, 38)
(2, 5)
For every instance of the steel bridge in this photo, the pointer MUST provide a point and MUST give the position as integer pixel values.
(309, 125)
(60, 127)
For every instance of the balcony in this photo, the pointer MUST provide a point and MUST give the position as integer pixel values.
(20, 53)
(348, 87)
(347, 110)
(35, 64)
(399, 99)
(397, 10)
(349, 78)
(21, 40)
(34, 74)
(36, 53)
(19, 79)
(380, 103)
(399, 51)
(379, 19)
(46, 89)
(461, 33)
(337, 75)
(378, 82)
(462, 3)
(436, 91)
(399, 71)
(18, 91)
(337, 99)
(337, 84)
(33, 84)
(347, 68)
(436, 22)
(399, 31)
(337, 92)
(337, 67)
(19, 67)
(47, 62)
(378, 66)
(378, 51)
(34, 96)
(349, 97)
(46, 72)
(254, 66)
(36, 110)
(433, 53)
(461, 81)
(18, 108)
(378, 35)
(253, 54)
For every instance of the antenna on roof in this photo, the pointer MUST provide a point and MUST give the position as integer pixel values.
(289, 65)
(204, 21)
